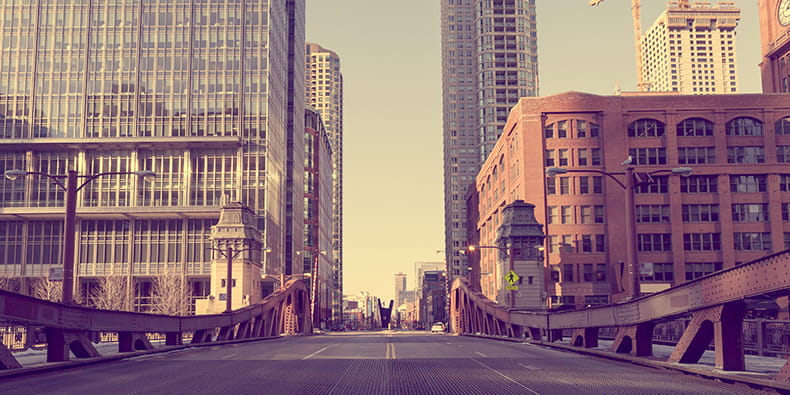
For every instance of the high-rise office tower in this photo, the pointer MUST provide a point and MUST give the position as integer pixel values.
(195, 91)
(324, 93)
(489, 61)
(400, 288)
(318, 214)
(690, 49)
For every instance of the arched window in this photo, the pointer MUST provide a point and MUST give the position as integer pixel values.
(783, 126)
(695, 127)
(745, 126)
(646, 128)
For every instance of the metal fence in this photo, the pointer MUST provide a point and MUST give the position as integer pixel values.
(760, 337)
(16, 338)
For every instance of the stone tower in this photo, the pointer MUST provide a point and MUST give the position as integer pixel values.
(520, 242)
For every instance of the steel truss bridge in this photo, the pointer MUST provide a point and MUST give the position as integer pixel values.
(715, 304)
(68, 329)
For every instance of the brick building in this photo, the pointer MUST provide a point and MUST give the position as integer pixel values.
(734, 208)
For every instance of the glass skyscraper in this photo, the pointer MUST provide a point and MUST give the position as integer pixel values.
(200, 92)
(489, 61)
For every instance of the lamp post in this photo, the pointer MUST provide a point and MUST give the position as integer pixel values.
(230, 253)
(315, 316)
(71, 188)
(633, 288)
(509, 251)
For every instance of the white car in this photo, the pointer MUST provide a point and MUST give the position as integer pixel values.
(438, 328)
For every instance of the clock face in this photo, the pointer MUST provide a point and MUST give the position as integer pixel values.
(783, 12)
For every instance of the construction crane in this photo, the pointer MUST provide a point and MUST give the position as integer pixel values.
(636, 12)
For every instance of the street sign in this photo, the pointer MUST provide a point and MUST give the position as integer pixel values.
(511, 277)
(511, 287)
(56, 274)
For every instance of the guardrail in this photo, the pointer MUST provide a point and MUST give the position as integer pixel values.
(714, 305)
(64, 330)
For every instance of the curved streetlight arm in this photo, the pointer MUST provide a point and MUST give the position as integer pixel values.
(553, 171)
(146, 174)
(14, 174)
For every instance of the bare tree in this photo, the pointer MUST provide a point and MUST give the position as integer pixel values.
(42, 288)
(110, 293)
(171, 295)
(9, 284)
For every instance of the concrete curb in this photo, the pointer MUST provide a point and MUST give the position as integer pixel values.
(735, 377)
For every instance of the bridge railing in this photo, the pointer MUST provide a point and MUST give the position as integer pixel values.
(714, 305)
(69, 329)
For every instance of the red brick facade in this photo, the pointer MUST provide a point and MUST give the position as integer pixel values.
(734, 208)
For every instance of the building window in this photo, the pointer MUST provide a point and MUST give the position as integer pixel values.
(562, 129)
(745, 155)
(567, 273)
(646, 128)
(567, 214)
(660, 184)
(596, 300)
(702, 241)
(600, 243)
(563, 299)
(785, 211)
(696, 155)
(590, 185)
(700, 213)
(652, 214)
(595, 156)
(587, 245)
(748, 183)
(654, 242)
(552, 217)
(550, 158)
(784, 182)
(695, 127)
(551, 185)
(563, 157)
(783, 125)
(582, 156)
(662, 271)
(783, 153)
(750, 212)
(699, 269)
(744, 126)
(548, 131)
(648, 156)
(565, 188)
(699, 184)
(752, 241)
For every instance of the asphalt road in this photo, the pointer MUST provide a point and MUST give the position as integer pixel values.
(367, 363)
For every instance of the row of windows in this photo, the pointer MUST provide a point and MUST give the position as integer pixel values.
(741, 212)
(572, 244)
(743, 241)
(741, 126)
(660, 184)
(658, 155)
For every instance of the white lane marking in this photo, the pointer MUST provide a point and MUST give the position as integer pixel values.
(480, 354)
(390, 354)
(318, 352)
(507, 377)
(532, 368)
(229, 356)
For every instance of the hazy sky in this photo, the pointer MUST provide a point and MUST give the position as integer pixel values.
(391, 64)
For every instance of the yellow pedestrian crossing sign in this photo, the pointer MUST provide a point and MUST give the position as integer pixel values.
(512, 278)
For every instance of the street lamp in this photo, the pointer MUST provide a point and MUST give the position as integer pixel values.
(230, 253)
(510, 252)
(70, 202)
(314, 287)
(630, 224)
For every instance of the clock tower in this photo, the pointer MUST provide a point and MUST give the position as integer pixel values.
(775, 34)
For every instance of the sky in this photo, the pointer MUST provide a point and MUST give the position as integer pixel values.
(390, 54)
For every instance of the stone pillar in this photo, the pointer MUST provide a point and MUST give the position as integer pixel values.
(520, 242)
(236, 232)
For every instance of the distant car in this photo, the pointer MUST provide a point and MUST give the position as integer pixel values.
(438, 328)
